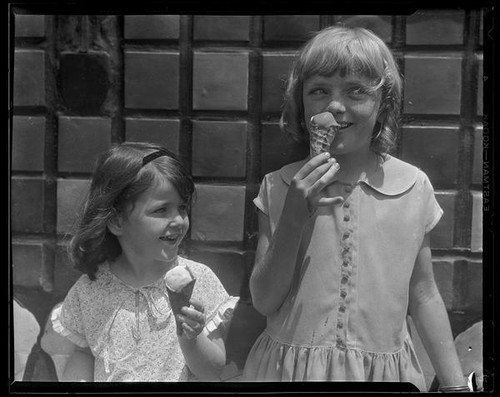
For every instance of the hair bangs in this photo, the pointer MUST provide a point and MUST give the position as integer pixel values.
(347, 53)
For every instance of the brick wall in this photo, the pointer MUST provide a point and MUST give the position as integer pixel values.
(210, 88)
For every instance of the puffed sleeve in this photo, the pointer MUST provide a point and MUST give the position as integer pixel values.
(261, 201)
(433, 212)
(219, 305)
(67, 318)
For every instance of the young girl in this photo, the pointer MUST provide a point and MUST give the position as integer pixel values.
(118, 313)
(343, 253)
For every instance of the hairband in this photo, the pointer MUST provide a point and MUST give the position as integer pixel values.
(150, 157)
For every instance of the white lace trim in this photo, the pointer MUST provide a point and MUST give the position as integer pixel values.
(60, 329)
(223, 314)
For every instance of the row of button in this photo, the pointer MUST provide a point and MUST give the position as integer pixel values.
(346, 257)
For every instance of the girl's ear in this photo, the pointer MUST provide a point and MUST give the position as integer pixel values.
(115, 223)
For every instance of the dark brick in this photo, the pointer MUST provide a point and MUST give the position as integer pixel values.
(473, 287)
(216, 27)
(218, 213)
(151, 80)
(228, 264)
(227, 154)
(290, 27)
(30, 25)
(278, 150)
(70, 196)
(477, 164)
(81, 140)
(84, 81)
(435, 27)
(476, 243)
(28, 142)
(433, 84)
(151, 27)
(27, 204)
(29, 78)
(162, 131)
(220, 81)
(26, 263)
(65, 275)
(275, 68)
(442, 234)
(378, 24)
(434, 149)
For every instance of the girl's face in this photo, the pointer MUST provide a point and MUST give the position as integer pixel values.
(352, 104)
(154, 228)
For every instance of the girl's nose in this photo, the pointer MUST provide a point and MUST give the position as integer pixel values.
(336, 106)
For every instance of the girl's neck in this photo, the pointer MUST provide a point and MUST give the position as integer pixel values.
(139, 274)
(354, 167)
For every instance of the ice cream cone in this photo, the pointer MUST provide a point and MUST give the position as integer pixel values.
(323, 128)
(180, 284)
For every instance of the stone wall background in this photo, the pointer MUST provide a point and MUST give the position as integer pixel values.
(210, 88)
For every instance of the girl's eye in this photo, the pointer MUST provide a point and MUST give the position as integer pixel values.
(160, 210)
(359, 91)
(183, 208)
(318, 91)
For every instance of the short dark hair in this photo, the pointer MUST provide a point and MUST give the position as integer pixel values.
(119, 178)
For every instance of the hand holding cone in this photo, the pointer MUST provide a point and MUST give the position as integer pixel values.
(180, 283)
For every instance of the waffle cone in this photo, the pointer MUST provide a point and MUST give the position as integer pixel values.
(323, 128)
(180, 299)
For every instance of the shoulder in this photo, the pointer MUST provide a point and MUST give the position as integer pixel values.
(394, 176)
(198, 269)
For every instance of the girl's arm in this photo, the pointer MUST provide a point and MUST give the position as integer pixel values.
(205, 354)
(80, 366)
(431, 320)
(276, 255)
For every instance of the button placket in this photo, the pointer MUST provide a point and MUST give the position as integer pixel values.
(346, 253)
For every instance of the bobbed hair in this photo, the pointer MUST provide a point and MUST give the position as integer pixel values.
(118, 180)
(347, 50)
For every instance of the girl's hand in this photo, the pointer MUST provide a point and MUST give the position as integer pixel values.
(192, 319)
(308, 183)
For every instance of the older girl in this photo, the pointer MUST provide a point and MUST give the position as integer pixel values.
(343, 253)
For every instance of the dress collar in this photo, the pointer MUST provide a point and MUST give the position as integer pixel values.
(392, 176)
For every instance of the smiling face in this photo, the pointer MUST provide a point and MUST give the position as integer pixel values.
(352, 102)
(153, 229)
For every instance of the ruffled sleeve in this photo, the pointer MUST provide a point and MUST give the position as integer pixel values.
(261, 201)
(67, 318)
(218, 304)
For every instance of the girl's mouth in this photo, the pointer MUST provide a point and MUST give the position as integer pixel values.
(171, 238)
(344, 125)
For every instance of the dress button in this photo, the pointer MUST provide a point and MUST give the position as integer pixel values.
(343, 294)
(342, 309)
(345, 236)
(339, 324)
(345, 263)
(344, 280)
(345, 250)
(347, 218)
(340, 342)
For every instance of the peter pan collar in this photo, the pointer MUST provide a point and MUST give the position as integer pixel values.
(392, 176)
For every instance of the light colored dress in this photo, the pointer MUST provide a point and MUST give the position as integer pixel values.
(131, 331)
(344, 317)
